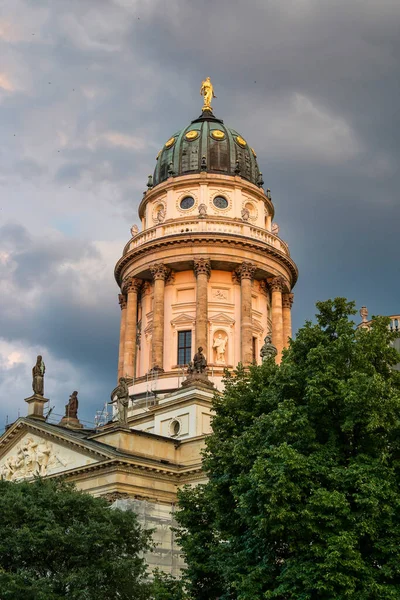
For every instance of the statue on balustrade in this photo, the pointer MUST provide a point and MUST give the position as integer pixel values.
(199, 361)
(38, 372)
(71, 409)
(268, 350)
(122, 395)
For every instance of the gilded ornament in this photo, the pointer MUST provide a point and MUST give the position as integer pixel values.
(207, 90)
(254, 153)
(170, 142)
(218, 134)
(158, 155)
(241, 141)
(192, 135)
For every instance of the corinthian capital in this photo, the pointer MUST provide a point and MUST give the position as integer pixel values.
(246, 270)
(277, 284)
(131, 284)
(287, 300)
(122, 301)
(160, 271)
(202, 265)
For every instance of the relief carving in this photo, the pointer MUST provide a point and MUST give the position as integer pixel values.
(31, 458)
(220, 294)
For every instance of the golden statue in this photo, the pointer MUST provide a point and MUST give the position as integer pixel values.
(207, 91)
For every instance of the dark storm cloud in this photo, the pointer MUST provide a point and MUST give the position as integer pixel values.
(89, 91)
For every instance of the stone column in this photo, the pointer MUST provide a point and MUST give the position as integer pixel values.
(131, 288)
(160, 273)
(287, 301)
(202, 270)
(246, 274)
(276, 286)
(122, 303)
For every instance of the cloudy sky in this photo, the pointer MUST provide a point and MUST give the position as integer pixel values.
(89, 92)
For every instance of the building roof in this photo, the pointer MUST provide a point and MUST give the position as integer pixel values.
(206, 144)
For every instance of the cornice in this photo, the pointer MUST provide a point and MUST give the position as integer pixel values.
(175, 183)
(208, 238)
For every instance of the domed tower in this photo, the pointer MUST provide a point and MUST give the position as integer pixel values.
(207, 267)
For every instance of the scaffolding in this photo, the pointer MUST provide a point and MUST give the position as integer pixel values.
(166, 554)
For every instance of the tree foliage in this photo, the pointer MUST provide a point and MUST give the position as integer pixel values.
(167, 587)
(56, 542)
(303, 497)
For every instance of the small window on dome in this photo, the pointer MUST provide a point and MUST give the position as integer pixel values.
(186, 202)
(220, 202)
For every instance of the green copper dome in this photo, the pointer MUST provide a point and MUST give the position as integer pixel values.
(207, 145)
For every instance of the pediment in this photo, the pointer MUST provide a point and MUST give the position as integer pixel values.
(33, 453)
(257, 326)
(222, 319)
(183, 319)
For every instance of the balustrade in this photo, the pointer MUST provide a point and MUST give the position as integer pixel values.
(209, 226)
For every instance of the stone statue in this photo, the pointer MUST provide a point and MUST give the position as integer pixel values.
(134, 230)
(275, 229)
(38, 377)
(190, 368)
(268, 350)
(219, 344)
(199, 361)
(364, 314)
(122, 394)
(202, 211)
(245, 214)
(207, 90)
(71, 409)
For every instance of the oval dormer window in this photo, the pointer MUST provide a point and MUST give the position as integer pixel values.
(220, 202)
(186, 202)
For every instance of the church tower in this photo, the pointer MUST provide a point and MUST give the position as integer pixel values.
(207, 267)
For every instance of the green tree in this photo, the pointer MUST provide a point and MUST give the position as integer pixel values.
(56, 542)
(303, 498)
(167, 587)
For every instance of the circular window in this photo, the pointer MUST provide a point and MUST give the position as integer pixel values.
(186, 202)
(174, 427)
(220, 202)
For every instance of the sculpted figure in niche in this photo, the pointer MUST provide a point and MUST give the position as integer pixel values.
(219, 345)
(38, 377)
(202, 211)
(245, 214)
(161, 215)
(122, 395)
(199, 361)
(71, 409)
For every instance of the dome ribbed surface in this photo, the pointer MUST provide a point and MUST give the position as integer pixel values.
(206, 145)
